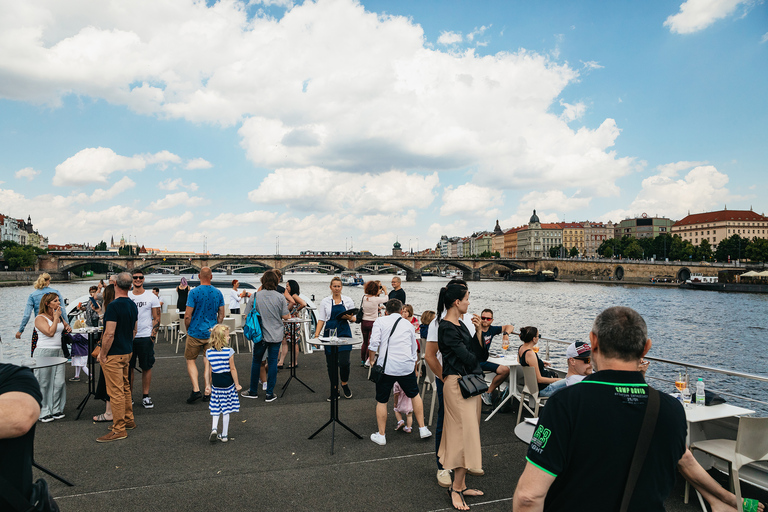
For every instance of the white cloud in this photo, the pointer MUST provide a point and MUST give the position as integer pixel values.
(572, 112)
(702, 189)
(697, 15)
(175, 184)
(27, 172)
(94, 165)
(179, 198)
(764, 38)
(477, 32)
(198, 163)
(448, 38)
(552, 200)
(469, 199)
(591, 64)
(673, 169)
(163, 158)
(315, 188)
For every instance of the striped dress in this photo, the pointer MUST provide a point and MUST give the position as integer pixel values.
(224, 400)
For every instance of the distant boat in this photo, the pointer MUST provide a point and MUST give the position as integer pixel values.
(352, 279)
(531, 276)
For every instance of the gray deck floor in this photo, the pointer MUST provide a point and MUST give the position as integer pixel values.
(167, 463)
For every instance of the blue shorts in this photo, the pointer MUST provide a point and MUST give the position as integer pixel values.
(489, 367)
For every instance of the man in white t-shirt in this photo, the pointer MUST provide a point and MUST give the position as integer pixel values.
(435, 361)
(146, 333)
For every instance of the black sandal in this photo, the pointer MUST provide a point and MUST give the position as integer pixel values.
(451, 490)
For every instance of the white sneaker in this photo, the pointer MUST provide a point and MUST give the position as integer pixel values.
(264, 386)
(486, 398)
(424, 432)
(213, 436)
(444, 478)
(379, 439)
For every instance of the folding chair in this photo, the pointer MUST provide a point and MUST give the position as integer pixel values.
(181, 334)
(429, 380)
(531, 389)
(751, 445)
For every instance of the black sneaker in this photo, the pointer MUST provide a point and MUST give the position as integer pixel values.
(58, 416)
(47, 419)
(270, 397)
(194, 397)
(248, 394)
(329, 398)
(347, 391)
(206, 398)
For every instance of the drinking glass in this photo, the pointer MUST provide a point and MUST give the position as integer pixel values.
(333, 333)
(504, 345)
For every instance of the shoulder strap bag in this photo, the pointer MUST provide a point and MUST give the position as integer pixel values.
(359, 316)
(471, 384)
(643, 443)
(378, 369)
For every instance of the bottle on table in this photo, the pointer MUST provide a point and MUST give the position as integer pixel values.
(700, 392)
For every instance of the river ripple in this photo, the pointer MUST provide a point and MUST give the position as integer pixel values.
(725, 330)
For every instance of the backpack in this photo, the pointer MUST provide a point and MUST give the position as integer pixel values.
(252, 327)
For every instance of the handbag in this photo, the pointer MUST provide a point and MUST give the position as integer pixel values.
(66, 340)
(40, 499)
(359, 315)
(472, 384)
(377, 370)
(96, 351)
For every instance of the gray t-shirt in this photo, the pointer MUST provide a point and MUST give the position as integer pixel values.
(272, 306)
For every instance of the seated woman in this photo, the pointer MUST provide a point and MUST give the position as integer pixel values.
(527, 356)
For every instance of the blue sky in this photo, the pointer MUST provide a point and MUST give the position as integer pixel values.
(337, 123)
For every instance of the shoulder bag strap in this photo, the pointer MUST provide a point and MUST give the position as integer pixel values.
(384, 365)
(643, 443)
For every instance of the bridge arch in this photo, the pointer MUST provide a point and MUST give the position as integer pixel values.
(321, 261)
(509, 264)
(72, 265)
(145, 263)
(683, 274)
(241, 261)
(359, 265)
(618, 273)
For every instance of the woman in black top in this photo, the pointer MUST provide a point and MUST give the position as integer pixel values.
(462, 353)
(528, 357)
(181, 302)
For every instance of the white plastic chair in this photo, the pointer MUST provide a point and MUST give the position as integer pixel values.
(430, 380)
(181, 334)
(531, 390)
(175, 321)
(751, 445)
(232, 323)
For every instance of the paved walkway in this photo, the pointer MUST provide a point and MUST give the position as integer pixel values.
(167, 463)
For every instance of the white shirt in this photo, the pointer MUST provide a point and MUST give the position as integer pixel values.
(432, 331)
(401, 348)
(54, 341)
(145, 303)
(573, 379)
(324, 311)
(234, 299)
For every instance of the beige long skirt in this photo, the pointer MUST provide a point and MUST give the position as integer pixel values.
(460, 444)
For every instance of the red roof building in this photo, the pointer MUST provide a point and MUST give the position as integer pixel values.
(716, 226)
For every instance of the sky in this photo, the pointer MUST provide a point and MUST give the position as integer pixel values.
(339, 124)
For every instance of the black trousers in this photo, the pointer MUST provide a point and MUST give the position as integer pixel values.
(343, 365)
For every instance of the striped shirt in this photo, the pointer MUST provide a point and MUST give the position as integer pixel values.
(219, 359)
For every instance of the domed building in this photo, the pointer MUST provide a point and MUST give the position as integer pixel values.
(397, 249)
(535, 240)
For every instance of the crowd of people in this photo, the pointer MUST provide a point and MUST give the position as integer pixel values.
(457, 345)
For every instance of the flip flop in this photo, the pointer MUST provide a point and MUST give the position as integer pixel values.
(461, 494)
(102, 419)
(472, 492)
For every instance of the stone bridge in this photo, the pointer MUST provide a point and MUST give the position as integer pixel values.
(626, 270)
(412, 265)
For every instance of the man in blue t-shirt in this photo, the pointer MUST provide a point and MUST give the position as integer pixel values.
(205, 309)
(120, 321)
(488, 332)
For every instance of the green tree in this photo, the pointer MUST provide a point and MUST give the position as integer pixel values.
(634, 250)
(554, 252)
(758, 250)
(574, 252)
(704, 251)
(734, 247)
(101, 246)
(20, 257)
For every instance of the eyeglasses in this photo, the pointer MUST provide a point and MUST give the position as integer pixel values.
(138, 277)
(486, 318)
(583, 359)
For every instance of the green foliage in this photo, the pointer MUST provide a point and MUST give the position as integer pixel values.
(554, 252)
(704, 251)
(757, 250)
(734, 248)
(20, 256)
(634, 250)
(101, 246)
(573, 252)
(489, 254)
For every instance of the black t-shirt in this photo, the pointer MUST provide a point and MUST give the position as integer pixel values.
(182, 300)
(398, 294)
(16, 453)
(586, 438)
(123, 311)
(492, 331)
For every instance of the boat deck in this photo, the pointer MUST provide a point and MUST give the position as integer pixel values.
(167, 463)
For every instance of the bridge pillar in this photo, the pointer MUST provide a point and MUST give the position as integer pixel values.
(474, 275)
(413, 276)
(229, 270)
(176, 270)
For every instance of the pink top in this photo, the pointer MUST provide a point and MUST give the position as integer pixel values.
(371, 306)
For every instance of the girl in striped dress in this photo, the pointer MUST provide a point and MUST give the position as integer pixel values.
(221, 382)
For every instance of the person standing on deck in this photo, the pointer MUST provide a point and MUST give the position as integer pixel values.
(397, 292)
(33, 304)
(205, 309)
(149, 308)
(120, 321)
(332, 315)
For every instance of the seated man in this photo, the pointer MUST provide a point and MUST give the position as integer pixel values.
(488, 332)
(20, 400)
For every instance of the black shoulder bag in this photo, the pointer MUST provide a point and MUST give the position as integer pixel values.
(359, 316)
(378, 369)
(472, 384)
(643, 443)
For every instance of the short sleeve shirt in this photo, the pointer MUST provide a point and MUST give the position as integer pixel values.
(492, 331)
(144, 303)
(272, 306)
(589, 431)
(206, 300)
(124, 313)
(16, 453)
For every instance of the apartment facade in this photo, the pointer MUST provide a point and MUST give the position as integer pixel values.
(717, 226)
(573, 236)
(595, 233)
(643, 227)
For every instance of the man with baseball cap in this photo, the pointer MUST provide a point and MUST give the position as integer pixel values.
(579, 356)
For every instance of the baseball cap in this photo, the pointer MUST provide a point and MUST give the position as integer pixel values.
(578, 349)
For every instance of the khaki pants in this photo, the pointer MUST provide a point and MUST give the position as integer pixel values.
(116, 374)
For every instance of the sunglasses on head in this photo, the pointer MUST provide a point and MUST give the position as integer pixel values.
(486, 318)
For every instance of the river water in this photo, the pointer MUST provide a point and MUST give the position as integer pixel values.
(725, 330)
